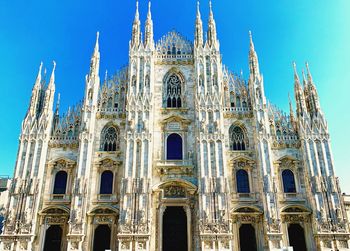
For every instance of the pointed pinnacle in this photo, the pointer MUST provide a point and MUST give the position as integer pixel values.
(198, 9)
(38, 78)
(97, 42)
(251, 41)
(137, 15)
(52, 78)
(304, 78)
(296, 77)
(309, 76)
(211, 15)
(149, 14)
(106, 76)
(58, 103)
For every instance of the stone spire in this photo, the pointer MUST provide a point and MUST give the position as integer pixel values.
(311, 94)
(291, 111)
(298, 92)
(50, 91)
(199, 28)
(212, 35)
(253, 58)
(136, 28)
(95, 59)
(149, 40)
(36, 92)
(52, 78)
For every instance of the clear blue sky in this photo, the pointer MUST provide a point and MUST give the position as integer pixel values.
(316, 31)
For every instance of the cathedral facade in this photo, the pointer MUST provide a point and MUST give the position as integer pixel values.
(175, 152)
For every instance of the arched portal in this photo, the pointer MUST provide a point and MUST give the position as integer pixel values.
(247, 238)
(296, 237)
(53, 238)
(102, 238)
(175, 229)
(174, 147)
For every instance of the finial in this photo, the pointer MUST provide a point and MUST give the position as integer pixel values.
(296, 77)
(251, 41)
(198, 9)
(149, 14)
(106, 76)
(97, 41)
(309, 76)
(38, 78)
(137, 11)
(52, 78)
(304, 78)
(58, 103)
(210, 9)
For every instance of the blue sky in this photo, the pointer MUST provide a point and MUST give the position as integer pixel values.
(284, 31)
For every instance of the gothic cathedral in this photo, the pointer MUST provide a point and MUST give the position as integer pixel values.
(175, 152)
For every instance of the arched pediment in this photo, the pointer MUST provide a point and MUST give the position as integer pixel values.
(62, 163)
(243, 158)
(247, 209)
(59, 210)
(107, 210)
(175, 122)
(295, 209)
(188, 186)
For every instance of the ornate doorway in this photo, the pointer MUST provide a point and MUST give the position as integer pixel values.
(247, 239)
(102, 238)
(53, 238)
(175, 229)
(296, 237)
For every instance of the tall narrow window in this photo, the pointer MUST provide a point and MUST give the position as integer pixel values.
(174, 147)
(173, 93)
(110, 139)
(288, 181)
(60, 184)
(242, 181)
(238, 140)
(106, 185)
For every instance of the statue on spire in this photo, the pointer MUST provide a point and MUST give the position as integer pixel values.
(149, 40)
(199, 28)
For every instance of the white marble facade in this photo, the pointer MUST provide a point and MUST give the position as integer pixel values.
(175, 151)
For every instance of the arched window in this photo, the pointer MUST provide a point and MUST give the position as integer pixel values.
(109, 139)
(288, 181)
(60, 184)
(173, 92)
(242, 181)
(238, 140)
(106, 184)
(174, 147)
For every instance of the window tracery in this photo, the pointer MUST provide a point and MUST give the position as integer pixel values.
(238, 140)
(109, 139)
(173, 92)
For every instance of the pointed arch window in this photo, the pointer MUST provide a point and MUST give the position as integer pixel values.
(238, 140)
(173, 92)
(288, 181)
(242, 179)
(60, 184)
(109, 139)
(106, 183)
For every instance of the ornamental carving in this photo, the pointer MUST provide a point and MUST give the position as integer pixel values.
(56, 220)
(174, 192)
(214, 228)
(103, 219)
(294, 218)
